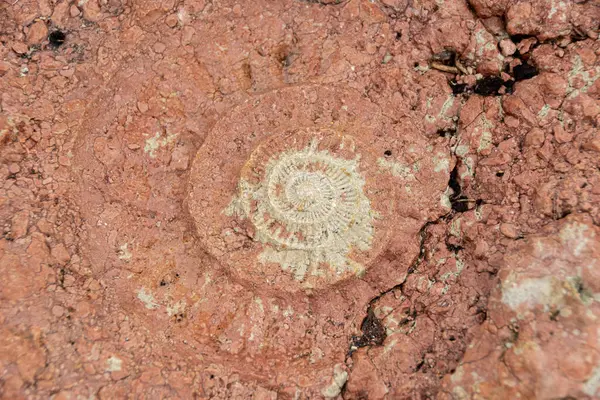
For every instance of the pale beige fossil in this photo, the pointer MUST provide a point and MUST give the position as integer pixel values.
(309, 210)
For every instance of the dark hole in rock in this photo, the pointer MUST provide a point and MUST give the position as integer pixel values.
(57, 38)
(446, 57)
(458, 88)
(562, 214)
(489, 86)
(448, 132)
(460, 204)
(481, 316)
(500, 174)
(509, 85)
(373, 332)
(454, 183)
(387, 153)
(454, 248)
(518, 38)
(420, 365)
(524, 71)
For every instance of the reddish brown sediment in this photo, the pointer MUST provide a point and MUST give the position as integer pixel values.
(169, 168)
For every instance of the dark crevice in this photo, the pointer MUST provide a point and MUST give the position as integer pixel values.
(524, 71)
(57, 38)
(446, 57)
(419, 365)
(472, 10)
(562, 214)
(373, 332)
(458, 88)
(454, 248)
(519, 37)
(447, 132)
(459, 202)
(488, 86)
(453, 181)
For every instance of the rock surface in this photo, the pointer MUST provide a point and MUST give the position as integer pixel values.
(466, 250)
(540, 337)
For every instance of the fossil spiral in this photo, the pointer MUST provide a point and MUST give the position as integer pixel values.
(307, 203)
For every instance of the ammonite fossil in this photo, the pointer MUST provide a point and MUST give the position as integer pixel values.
(310, 202)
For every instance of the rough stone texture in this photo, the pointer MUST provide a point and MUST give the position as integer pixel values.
(114, 288)
(37, 32)
(540, 339)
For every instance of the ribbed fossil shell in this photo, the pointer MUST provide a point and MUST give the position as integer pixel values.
(307, 203)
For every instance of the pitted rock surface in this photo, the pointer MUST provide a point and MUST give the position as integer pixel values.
(158, 205)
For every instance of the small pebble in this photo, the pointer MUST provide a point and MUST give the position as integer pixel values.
(507, 47)
(14, 168)
(143, 107)
(58, 311)
(20, 48)
(171, 21)
(74, 11)
(159, 47)
(509, 230)
(38, 31)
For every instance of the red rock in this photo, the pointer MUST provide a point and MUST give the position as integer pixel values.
(152, 376)
(534, 138)
(60, 14)
(20, 48)
(117, 390)
(58, 311)
(159, 47)
(592, 145)
(561, 135)
(264, 394)
(61, 254)
(37, 33)
(171, 20)
(20, 223)
(509, 230)
(63, 395)
(24, 352)
(525, 45)
(74, 11)
(508, 47)
(92, 11)
(179, 159)
(489, 8)
(364, 381)
(237, 73)
(45, 226)
(4, 67)
(397, 5)
(533, 278)
(14, 168)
